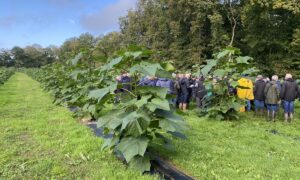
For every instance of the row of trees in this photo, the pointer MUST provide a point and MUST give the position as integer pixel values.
(99, 49)
(188, 32)
(30, 56)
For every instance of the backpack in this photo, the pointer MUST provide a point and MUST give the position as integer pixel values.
(177, 88)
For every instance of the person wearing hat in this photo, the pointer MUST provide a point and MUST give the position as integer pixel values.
(259, 96)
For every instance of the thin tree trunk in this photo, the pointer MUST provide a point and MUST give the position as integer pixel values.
(233, 32)
(233, 21)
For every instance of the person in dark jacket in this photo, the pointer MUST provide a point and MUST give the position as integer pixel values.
(191, 87)
(200, 92)
(272, 97)
(184, 93)
(259, 95)
(289, 92)
(177, 89)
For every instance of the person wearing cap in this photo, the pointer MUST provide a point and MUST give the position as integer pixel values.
(289, 92)
(259, 96)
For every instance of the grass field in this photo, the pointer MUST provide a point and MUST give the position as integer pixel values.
(41, 140)
(245, 149)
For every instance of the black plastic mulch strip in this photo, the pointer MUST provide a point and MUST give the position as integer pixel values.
(99, 131)
(158, 165)
(167, 171)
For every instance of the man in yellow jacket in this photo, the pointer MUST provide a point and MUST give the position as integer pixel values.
(245, 92)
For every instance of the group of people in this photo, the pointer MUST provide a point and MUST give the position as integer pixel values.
(270, 95)
(264, 93)
(183, 86)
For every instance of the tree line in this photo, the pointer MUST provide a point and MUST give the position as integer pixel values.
(188, 32)
(30, 56)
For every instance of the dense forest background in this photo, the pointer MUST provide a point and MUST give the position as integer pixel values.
(188, 32)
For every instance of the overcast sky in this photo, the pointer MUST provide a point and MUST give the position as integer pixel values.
(51, 22)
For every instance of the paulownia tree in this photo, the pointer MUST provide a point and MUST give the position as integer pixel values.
(142, 116)
(223, 72)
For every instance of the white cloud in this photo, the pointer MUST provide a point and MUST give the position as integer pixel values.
(107, 19)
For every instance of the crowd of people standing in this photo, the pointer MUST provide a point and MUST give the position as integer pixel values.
(266, 95)
(269, 95)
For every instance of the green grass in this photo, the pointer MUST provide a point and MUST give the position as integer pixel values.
(41, 140)
(242, 149)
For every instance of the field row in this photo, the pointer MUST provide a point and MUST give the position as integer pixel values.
(5, 74)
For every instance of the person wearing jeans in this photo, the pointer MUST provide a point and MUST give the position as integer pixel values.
(289, 92)
(259, 96)
(272, 96)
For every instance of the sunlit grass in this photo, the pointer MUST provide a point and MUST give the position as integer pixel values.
(245, 149)
(41, 140)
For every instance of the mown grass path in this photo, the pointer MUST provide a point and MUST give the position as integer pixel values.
(250, 148)
(41, 140)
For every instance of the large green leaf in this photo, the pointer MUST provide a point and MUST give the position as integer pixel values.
(219, 73)
(131, 147)
(135, 54)
(141, 163)
(129, 118)
(170, 121)
(111, 63)
(156, 91)
(111, 120)
(145, 68)
(234, 84)
(222, 54)
(243, 59)
(110, 142)
(207, 68)
(143, 101)
(168, 67)
(161, 104)
(99, 93)
(135, 123)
